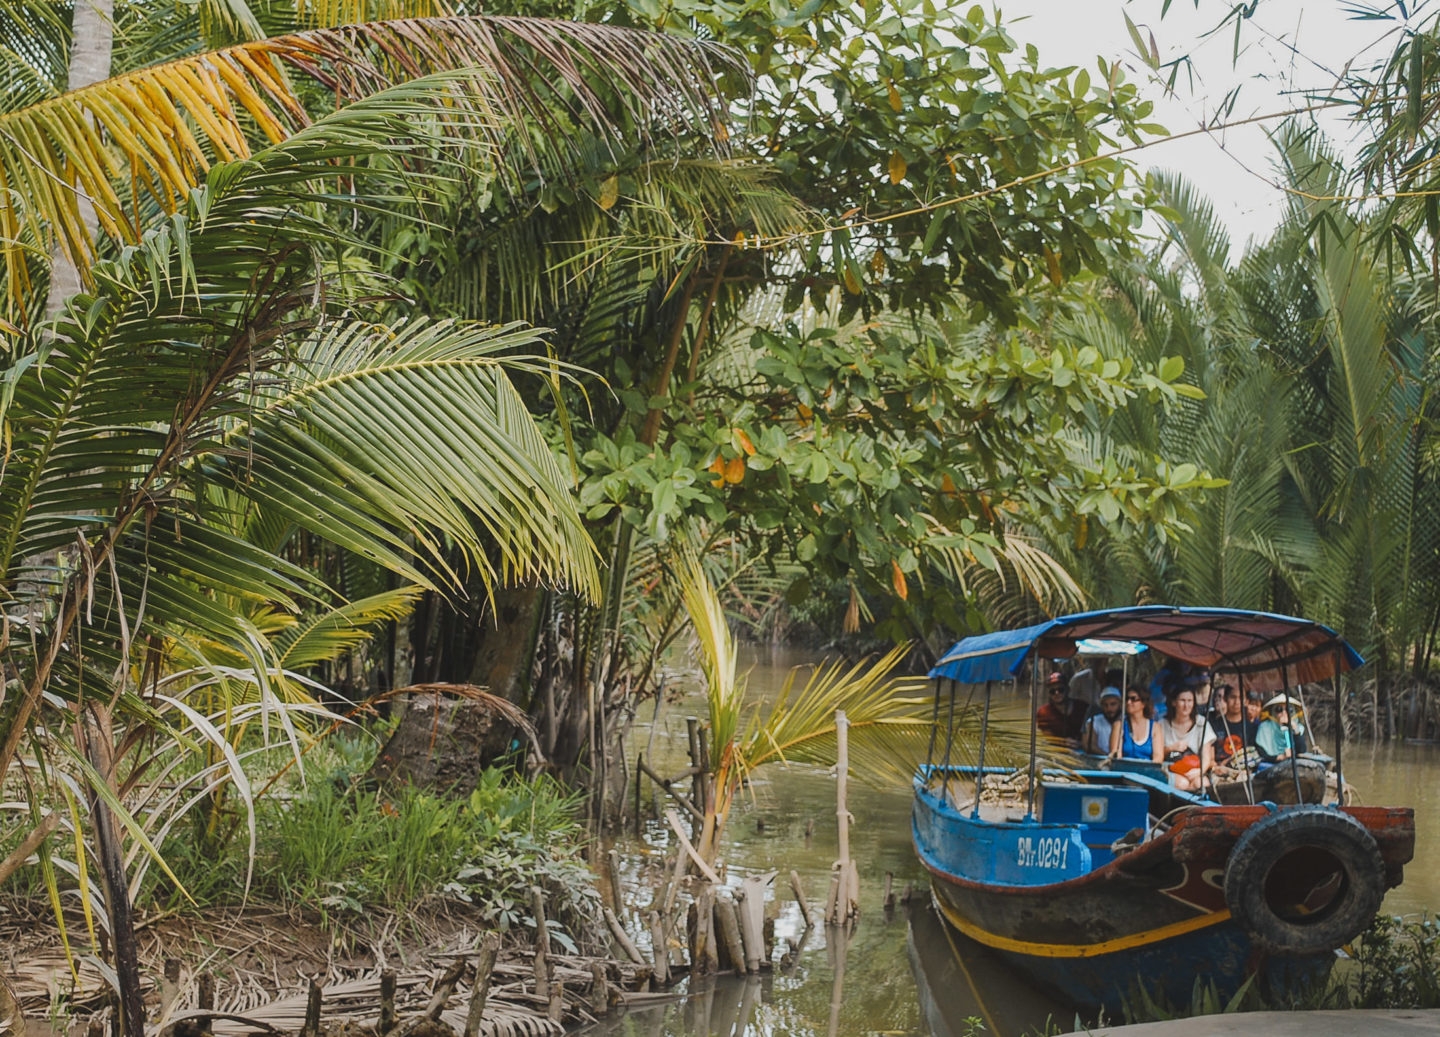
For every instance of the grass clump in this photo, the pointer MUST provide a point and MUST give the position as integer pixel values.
(1394, 964)
(343, 850)
(1397, 964)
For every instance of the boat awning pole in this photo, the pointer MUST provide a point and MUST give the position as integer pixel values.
(1339, 737)
(980, 768)
(1034, 745)
(934, 726)
(949, 736)
(1249, 758)
(1290, 723)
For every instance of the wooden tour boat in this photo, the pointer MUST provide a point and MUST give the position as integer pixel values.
(1097, 881)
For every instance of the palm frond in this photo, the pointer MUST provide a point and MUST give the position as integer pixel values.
(155, 131)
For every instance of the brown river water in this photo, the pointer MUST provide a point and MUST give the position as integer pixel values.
(899, 973)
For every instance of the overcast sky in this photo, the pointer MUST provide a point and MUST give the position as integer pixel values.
(1235, 166)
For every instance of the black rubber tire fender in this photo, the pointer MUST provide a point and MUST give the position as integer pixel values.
(1323, 840)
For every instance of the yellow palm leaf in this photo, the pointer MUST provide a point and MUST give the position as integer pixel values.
(153, 133)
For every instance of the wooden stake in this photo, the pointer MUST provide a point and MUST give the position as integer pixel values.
(703, 957)
(312, 1009)
(599, 990)
(800, 899)
(542, 942)
(480, 991)
(444, 988)
(205, 999)
(622, 937)
(750, 906)
(639, 769)
(388, 1018)
(661, 950)
(169, 985)
(612, 864)
(730, 938)
(847, 900)
(556, 1010)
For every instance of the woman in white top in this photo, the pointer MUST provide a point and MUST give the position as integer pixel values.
(1189, 744)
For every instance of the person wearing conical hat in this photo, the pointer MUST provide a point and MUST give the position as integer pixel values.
(1280, 724)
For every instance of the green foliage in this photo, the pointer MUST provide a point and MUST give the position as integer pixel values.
(899, 110)
(341, 850)
(1398, 964)
(883, 455)
(1143, 1005)
(1314, 367)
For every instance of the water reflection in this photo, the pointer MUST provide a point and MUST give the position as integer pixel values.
(959, 983)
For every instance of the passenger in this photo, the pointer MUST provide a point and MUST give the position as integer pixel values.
(1085, 685)
(1170, 672)
(1234, 729)
(1062, 716)
(1189, 743)
(1253, 706)
(1200, 684)
(1280, 735)
(1136, 737)
(1095, 736)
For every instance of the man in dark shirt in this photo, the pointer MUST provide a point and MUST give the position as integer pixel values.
(1234, 725)
(1061, 717)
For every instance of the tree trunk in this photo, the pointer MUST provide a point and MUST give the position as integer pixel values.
(92, 39)
(508, 633)
(444, 740)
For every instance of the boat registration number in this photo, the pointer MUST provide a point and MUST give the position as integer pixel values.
(1042, 853)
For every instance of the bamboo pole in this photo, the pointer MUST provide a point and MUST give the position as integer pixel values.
(542, 943)
(660, 948)
(749, 907)
(847, 897)
(730, 938)
(622, 937)
(669, 786)
(703, 958)
(800, 899)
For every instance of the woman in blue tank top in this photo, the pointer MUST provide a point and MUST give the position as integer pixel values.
(1135, 738)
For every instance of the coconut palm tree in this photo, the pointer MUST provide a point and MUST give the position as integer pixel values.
(1314, 360)
(225, 385)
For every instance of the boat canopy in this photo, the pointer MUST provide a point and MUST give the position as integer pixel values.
(1268, 652)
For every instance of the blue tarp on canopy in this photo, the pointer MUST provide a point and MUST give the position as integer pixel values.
(1268, 652)
(989, 657)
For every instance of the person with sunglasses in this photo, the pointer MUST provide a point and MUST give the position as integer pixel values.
(1137, 736)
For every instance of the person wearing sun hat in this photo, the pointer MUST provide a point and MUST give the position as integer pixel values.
(1095, 736)
(1280, 729)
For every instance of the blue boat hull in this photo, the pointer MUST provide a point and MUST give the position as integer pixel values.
(1049, 894)
(1167, 970)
